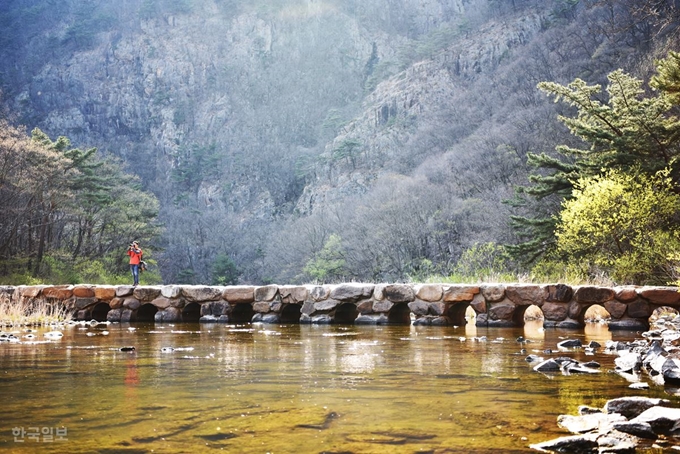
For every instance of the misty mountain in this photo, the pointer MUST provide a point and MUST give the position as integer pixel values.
(276, 134)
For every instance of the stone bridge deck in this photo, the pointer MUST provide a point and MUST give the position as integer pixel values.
(355, 303)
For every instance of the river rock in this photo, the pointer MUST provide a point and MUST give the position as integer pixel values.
(601, 422)
(82, 291)
(663, 420)
(570, 343)
(628, 362)
(549, 365)
(575, 444)
(319, 293)
(639, 429)
(633, 406)
(323, 319)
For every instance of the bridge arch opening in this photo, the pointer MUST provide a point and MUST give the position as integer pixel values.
(533, 313)
(146, 313)
(100, 311)
(242, 313)
(663, 313)
(346, 313)
(400, 314)
(457, 313)
(596, 314)
(291, 313)
(191, 313)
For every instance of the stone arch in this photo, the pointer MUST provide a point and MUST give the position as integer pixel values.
(399, 314)
(191, 313)
(346, 313)
(594, 314)
(242, 313)
(456, 313)
(662, 312)
(146, 313)
(532, 313)
(100, 311)
(290, 313)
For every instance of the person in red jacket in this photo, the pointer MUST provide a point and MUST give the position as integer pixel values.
(135, 254)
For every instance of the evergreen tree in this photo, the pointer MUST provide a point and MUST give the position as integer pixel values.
(627, 131)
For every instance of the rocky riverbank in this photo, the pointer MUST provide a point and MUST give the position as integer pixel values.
(627, 424)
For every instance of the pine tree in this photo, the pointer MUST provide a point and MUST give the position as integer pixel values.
(627, 131)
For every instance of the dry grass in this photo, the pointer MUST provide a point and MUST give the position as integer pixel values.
(33, 313)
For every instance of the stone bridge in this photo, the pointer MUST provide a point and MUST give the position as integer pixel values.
(498, 305)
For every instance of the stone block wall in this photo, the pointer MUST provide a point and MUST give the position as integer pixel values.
(354, 303)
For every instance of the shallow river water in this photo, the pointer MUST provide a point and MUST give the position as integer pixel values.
(293, 389)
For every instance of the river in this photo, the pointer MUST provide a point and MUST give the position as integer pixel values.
(188, 388)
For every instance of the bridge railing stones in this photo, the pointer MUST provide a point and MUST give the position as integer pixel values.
(499, 305)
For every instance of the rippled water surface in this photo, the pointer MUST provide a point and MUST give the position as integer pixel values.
(302, 389)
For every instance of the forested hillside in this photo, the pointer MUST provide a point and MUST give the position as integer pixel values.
(307, 140)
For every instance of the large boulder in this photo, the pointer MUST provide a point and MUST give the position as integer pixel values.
(293, 294)
(239, 294)
(526, 294)
(457, 293)
(351, 292)
(663, 420)
(104, 292)
(198, 293)
(399, 293)
(59, 292)
(633, 406)
(559, 293)
(266, 293)
(146, 293)
(594, 295)
(493, 293)
(555, 311)
(666, 296)
(429, 292)
(81, 291)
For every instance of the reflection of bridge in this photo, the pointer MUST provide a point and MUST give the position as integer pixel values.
(376, 304)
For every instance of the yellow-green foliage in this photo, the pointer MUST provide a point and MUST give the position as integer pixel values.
(624, 225)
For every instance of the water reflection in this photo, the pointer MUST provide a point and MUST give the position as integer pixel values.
(294, 388)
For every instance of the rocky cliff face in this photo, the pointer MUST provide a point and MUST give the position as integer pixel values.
(243, 113)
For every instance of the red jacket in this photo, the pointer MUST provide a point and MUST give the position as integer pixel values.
(135, 256)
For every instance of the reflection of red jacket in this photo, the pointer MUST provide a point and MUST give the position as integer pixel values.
(135, 256)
